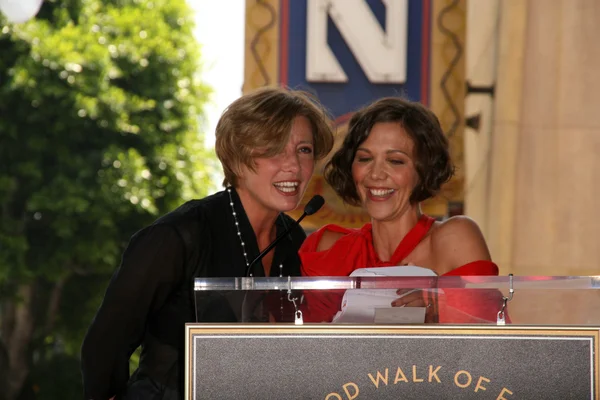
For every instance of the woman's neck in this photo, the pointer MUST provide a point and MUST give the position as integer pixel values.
(261, 219)
(387, 235)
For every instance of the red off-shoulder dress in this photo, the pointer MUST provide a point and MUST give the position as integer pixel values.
(355, 250)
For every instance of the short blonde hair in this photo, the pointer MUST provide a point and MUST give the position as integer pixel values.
(262, 120)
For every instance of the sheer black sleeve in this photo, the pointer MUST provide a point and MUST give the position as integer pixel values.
(151, 268)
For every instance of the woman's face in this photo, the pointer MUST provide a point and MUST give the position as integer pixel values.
(384, 171)
(279, 182)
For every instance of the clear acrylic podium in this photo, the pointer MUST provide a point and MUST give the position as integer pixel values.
(341, 338)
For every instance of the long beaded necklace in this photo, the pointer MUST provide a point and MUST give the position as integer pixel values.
(239, 233)
(237, 227)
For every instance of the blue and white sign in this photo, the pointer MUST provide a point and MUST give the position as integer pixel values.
(351, 52)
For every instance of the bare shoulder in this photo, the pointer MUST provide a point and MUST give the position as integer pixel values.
(458, 241)
(328, 239)
(460, 224)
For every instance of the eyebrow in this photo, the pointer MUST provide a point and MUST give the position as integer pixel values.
(306, 142)
(387, 152)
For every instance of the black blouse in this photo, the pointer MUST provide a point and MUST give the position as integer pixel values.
(150, 296)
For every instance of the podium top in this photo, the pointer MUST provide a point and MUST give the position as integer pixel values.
(541, 300)
(397, 282)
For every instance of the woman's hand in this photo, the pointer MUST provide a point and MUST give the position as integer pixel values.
(418, 298)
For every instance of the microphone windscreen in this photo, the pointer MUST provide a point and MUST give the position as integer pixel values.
(314, 205)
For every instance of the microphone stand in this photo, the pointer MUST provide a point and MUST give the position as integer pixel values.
(274, 243)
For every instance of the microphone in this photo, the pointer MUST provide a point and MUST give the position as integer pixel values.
(311, 207)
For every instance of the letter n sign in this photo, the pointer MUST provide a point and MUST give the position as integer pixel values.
(351, 52)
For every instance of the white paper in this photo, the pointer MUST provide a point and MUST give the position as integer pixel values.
(404, 270)
(400, 315)
(360, 305)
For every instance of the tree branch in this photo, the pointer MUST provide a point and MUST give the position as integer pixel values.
(7, 317)
(4, 369)
(54, 303)
(19, 339)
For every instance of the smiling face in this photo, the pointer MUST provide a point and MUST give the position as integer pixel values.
(279, 182)
(384, 171)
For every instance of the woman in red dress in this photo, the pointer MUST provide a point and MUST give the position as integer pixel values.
(395, 155)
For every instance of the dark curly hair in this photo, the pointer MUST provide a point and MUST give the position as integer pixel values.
(432, 157)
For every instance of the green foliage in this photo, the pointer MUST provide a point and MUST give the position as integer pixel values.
(100, 103)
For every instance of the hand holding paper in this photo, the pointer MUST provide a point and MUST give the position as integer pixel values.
(376, 305)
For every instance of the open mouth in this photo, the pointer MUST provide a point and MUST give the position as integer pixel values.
(380, 193)
(287, 187)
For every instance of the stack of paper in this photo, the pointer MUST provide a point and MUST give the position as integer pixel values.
(375, 305)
